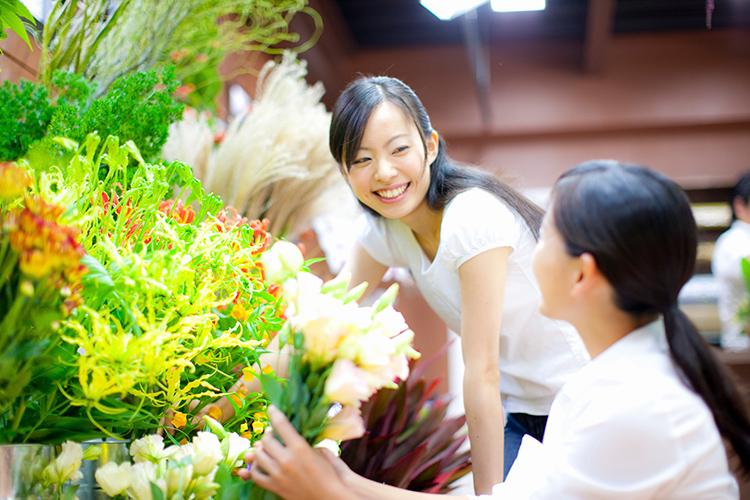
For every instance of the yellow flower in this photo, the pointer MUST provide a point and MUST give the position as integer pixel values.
(179, 419)
(267, 369)
(258, 427)
(13, 180)
(215, 413)
(248, 374)
(240, 313)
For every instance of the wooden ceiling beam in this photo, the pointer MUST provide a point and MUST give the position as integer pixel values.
(600, 19)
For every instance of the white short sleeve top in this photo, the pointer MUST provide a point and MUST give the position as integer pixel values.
(537, 354)
(625, 427)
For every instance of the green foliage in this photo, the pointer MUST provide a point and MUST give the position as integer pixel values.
(139, 107)
(11, 12)
(26, 114)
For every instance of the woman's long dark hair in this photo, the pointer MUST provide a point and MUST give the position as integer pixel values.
(638, 226)
(447, 178)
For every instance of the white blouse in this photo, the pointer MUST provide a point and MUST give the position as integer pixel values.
(537, 354)
(625, 427)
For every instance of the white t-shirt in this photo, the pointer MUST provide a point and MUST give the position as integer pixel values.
(625, 427)
(537, 354)
(730, 248)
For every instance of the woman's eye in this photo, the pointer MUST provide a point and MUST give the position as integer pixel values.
(360, 161)
(401, 149)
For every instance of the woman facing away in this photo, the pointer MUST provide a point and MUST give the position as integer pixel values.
(467, 239)
(646, 417)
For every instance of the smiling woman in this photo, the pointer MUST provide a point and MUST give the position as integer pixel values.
(466, 236)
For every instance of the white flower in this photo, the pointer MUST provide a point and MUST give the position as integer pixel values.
(148, 448)
(65, 467)
(114, 479)
(330, 445)
(237, 447)
(207, 453)
(178, 478)
(142, 475)
(289, 254)
(281, 261)
(390, 322)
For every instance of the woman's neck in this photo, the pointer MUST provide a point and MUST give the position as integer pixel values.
(602, 327)
(426, 228)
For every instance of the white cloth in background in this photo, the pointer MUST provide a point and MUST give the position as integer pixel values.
(537, 355)
(730, 248)
(625, 427)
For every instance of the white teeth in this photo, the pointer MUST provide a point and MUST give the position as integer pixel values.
(392, 193)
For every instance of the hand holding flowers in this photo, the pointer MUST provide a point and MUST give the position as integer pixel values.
(341, 354)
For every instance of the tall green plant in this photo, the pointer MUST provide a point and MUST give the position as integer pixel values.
(87, 38)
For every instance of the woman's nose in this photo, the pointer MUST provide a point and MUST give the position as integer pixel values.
(385, 171)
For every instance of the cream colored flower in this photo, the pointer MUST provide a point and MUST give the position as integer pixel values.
(178, 478)
(142, 475)
(206, 453)
(114, 479)
(390, 322)
(237, 446)
(148, 448)
(346, 384)
(65, 467)
(347, 424)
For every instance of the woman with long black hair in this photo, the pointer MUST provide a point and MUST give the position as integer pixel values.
(646, 418)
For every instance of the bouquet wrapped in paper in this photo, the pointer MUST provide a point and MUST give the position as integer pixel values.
(342, 353)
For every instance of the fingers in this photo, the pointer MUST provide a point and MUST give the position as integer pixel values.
(284, 428)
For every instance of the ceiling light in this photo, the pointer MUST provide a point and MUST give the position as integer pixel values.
(517, 5)
(449, 9)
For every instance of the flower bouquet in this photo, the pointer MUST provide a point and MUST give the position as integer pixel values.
(40, 282)
(341, 354)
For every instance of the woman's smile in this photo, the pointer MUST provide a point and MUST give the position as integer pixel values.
(394, 193)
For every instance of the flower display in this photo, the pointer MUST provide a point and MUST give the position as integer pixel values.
(187, 471)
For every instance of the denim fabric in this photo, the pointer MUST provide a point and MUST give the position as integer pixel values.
(519, 424)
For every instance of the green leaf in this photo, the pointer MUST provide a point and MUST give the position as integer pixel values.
(10, 19)
(70, 492)
(156, 492)
(746, 271)
(272, 388)
(98, 274)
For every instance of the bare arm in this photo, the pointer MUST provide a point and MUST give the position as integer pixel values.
(482, 295)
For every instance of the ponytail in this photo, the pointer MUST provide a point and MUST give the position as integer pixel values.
(708, 377)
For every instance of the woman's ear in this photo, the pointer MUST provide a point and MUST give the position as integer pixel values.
(432, 145)
(589, 275)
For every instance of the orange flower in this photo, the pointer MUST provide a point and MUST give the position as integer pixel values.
(215, 413)
(179, 420)
(179, 212)
(240, 313)
(267, 369)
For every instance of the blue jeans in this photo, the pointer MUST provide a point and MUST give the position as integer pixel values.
(519, 424)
